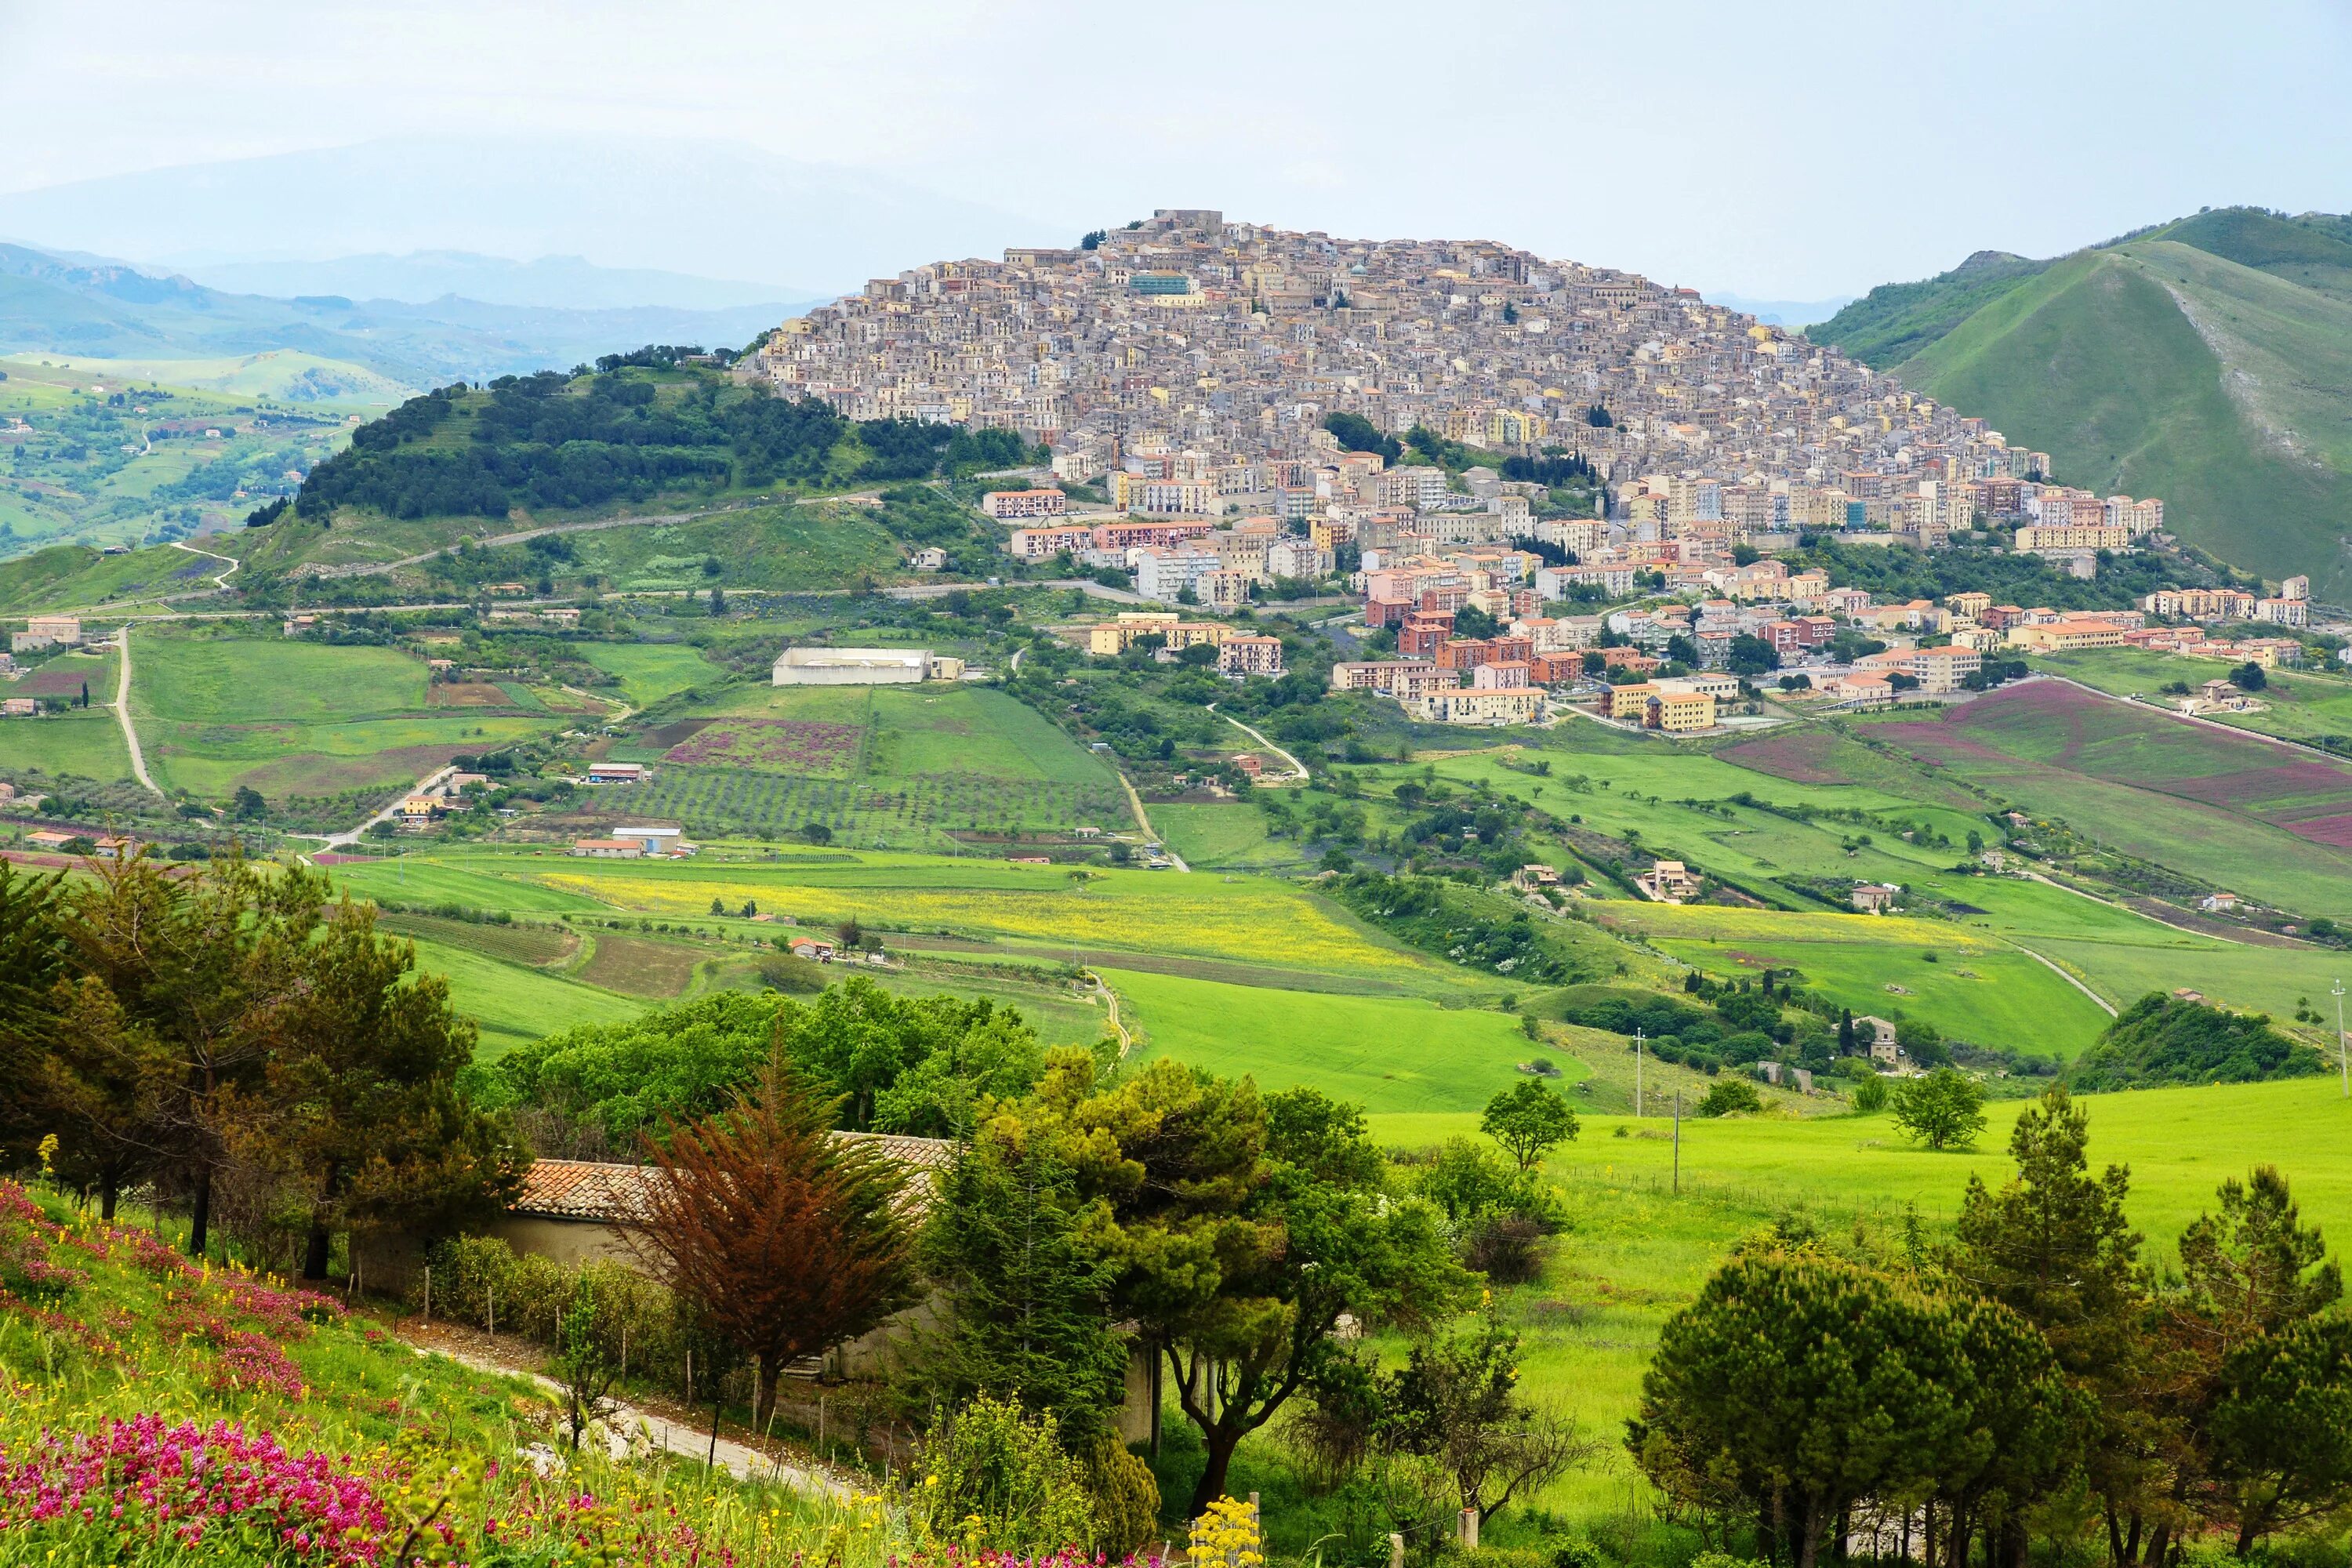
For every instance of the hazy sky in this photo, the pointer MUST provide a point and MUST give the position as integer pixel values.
(1773, 151)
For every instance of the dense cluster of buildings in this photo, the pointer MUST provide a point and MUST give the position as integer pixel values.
(1189, 362)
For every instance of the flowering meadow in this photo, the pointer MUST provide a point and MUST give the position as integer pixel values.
(155, 1410)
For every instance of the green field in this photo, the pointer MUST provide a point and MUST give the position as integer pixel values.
(651, 672)
(2295, 704)
(513, 1004)
(1982, 995)
(814, 545)
(1226, 839)
(1386, 1054)
(1635, 1250)
(2199, 800)
(219, 710)
(1248, 921)
(85, 742)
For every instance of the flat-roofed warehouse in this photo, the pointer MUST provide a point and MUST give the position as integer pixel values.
(862, 666)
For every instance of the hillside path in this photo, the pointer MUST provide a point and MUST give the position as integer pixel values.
(1254, 733)
(2100, 1002)
(377, 568)
(220, 581)
(122, 712)
(737, 1459)
(1134, 804)
(1110, 998)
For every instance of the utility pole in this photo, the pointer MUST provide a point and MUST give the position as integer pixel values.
(2343, 1066)
(1637, 1072)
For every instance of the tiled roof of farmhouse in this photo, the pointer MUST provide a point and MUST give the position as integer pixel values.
(615, 1193)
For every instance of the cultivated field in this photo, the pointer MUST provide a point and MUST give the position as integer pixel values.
(218, 711)
(2235, 812)
(896, 767)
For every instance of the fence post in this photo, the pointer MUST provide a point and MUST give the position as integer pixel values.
(1466, 1530)
(493, 1293)
(1396, 1551)
(428, 1292)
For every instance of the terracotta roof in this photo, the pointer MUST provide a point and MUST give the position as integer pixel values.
(610, 1192)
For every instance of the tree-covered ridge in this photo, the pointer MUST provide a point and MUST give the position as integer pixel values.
(2161, 1039)
(1904, 572)
(623, 432)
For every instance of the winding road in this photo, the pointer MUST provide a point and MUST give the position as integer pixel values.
(220, 581)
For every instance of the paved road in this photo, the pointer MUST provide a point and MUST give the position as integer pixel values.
(122, 713)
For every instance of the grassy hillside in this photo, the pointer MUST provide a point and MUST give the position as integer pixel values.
(2205, 361)
(1895, 320)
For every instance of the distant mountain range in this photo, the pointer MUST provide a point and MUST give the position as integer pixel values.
(2207, 361)
(706, 208)
(90, 306)
(1792, 313)
(558, 282)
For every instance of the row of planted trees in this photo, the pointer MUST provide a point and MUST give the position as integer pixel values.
(2034, 1379)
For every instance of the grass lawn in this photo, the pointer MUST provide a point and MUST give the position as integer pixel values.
(1381, 1053)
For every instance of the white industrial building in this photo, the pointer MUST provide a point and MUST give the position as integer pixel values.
(863, 667)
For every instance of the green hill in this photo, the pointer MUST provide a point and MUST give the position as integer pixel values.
(2206, 362)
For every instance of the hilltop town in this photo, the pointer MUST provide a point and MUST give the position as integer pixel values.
(1229, 406)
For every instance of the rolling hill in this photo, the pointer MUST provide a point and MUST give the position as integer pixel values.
(92, 308)
(2207, 361)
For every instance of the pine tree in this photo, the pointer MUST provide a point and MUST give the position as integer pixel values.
(1029, 1295)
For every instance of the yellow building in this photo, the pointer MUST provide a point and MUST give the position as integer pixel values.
(1678, 712)
(1513, 426)
(2057, 636)
(1670, 709)
(1630, 701)
(1111, 638)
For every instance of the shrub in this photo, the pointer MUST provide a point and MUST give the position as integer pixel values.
(1124, 1495)
(1730, 1097)
(1504, 1245)
(1869, 1095)
(996, 1479)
